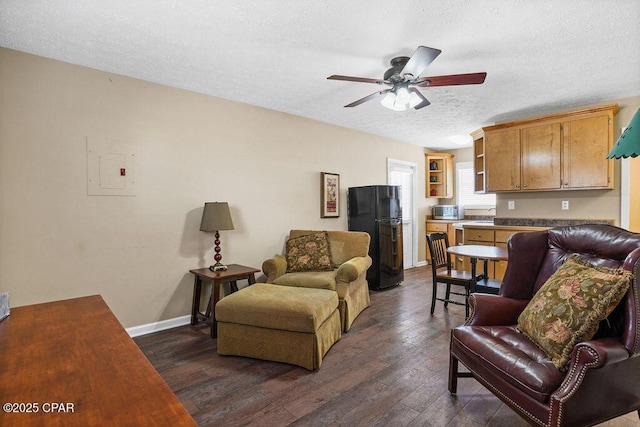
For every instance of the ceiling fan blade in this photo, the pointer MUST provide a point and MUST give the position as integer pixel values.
(367, 98)
(356, 79)
(422, 57)
(424, 102)
(453, 79)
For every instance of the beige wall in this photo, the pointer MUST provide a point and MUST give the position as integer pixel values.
(57, 242)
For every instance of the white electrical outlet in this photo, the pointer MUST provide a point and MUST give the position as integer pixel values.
(565, 205)
(511, 204)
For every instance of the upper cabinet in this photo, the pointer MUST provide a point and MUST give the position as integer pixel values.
(586, 144)
(560, 152)
(540, 167)
(502, 160)
(480, 184)
(439, 175)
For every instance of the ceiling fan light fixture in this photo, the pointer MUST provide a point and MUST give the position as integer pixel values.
(401, 99)
(391, 102)
(398, 106)
(402, 95)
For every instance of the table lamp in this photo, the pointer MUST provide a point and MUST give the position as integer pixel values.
(216, 217)
(628, 145)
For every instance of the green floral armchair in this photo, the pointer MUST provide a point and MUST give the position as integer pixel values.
(333, 260)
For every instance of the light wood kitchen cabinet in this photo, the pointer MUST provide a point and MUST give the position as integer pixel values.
(440, 226)
(560, 152)
(586, 143)
(502, 160)
(480, 184)
(541, 157)
(439, 175)
(458, 262)
(501, 239)
(479, 236)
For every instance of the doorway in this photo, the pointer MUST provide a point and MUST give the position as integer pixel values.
(405, 174)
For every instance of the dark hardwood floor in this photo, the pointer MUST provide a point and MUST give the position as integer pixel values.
(390, 369)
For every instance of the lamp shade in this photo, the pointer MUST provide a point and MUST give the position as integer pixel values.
(216, 216)
(628, 145)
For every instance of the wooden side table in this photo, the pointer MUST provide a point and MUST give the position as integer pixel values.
(234, 273)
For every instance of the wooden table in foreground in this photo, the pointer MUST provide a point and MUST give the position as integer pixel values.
(485, 253)
(233, 273)
(71, 363)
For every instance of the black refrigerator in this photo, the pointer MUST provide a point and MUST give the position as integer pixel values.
(377, 209)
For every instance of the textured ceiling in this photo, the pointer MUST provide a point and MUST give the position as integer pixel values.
(540, 56)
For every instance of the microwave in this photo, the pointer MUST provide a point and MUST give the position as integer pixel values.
(447, 212)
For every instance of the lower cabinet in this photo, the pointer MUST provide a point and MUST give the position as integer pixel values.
(440, 226)
(479, 236)
(491, 236)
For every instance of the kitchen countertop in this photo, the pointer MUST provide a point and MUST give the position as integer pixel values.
(549, 222)
(460, 225)
(511, 223)
(490, 224)
(508, 223)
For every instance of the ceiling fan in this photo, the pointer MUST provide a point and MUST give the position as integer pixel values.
(404, 76)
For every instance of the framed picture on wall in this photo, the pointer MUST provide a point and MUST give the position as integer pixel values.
(329, 195)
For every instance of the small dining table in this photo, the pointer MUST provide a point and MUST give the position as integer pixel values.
(485, 253)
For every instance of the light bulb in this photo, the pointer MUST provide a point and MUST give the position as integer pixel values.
(399, 107)
(389, 100)
(402, 95)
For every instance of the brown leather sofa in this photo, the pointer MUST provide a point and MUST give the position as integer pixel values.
(602, 379)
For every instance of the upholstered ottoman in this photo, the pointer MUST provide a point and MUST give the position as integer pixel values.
(279, 323)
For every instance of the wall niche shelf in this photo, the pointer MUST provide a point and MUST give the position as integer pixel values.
(439, 175)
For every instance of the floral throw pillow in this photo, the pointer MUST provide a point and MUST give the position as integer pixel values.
(309, 253)
(569, 306)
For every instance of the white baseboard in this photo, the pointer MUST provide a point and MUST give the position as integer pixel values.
(418, 264)
(162, 325)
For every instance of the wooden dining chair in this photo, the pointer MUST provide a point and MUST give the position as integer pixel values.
(443, 273)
